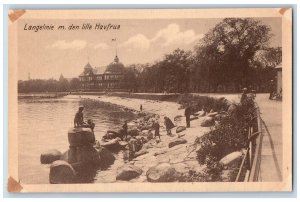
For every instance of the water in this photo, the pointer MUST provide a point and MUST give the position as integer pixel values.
(44, 123)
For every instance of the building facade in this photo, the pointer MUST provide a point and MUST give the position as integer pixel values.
(102, 78)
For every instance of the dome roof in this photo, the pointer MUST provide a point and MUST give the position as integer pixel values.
(115, 66)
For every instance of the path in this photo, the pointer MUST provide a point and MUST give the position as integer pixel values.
(271, 156)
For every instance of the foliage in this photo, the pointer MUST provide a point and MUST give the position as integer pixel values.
(50, 85)
(192, 176)
(205, 103)
(232, 55)
(229, 135)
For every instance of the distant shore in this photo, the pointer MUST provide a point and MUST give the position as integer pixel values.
(42, 95)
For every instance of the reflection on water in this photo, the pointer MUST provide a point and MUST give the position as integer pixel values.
(43, 124)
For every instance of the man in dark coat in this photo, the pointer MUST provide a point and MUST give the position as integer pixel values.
(156, 129)
(187, 114)
(169, 125)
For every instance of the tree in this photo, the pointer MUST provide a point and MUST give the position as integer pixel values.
(227, 49)
(63, 84)
(74, 84)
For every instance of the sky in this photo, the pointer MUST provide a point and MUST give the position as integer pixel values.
(49, 53)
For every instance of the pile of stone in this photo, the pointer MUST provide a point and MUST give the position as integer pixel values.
(83, 153)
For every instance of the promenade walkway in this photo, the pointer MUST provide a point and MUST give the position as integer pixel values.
(271, 156)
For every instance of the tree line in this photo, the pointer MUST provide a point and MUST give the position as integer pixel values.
(232, 55)
(50, 85)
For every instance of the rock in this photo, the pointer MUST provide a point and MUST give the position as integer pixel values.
(207, 122)
(231, 159)
(88, 156)
(150, 136)
(133, 132)
(180, 129)
(177, 141)
(123, 144)
(112, 144)
(50, 156)
(61, 172)
(80, 136)
(180, 135)
(193, 118)
(128, 172)
(111, 135)
(141, 152)
(199, 113)
(178, 118)
(162, 172)
(159, 153)
(212, 114)
(106, 157)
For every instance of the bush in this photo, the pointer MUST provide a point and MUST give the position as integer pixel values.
(203, 102)
(231, 134)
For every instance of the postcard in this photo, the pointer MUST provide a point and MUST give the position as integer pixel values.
(150, 100)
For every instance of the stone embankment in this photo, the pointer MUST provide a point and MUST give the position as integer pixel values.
(147, 159)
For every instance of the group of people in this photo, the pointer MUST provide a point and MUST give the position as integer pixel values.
(79, 122)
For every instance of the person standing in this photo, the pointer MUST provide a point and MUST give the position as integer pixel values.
(141, 107)
(156, 129)
(169, 125)
(187, 114)
(125, 129)
(244, 96)
(272, 89)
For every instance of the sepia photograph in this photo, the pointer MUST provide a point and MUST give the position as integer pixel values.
(150, 100)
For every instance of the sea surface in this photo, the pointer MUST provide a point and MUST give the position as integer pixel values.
(43, 125)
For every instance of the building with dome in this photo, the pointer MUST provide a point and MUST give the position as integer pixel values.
(102, 78)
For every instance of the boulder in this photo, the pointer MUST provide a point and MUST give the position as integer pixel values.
(178, 118)
(112, 144)
(212, 114)
(162, 172)
(88, 155)
(159, 153)
(193, 118)
(50, 156)
(201, 113)
(141, 152)
(61, 172)
(177, 141)
(111, 135)
(123, 144)
(231, 159)
(180, 129)
(150, 136)
(133, 132)
(81, 136)
(106, 157)
(207, 122)
(128, 172)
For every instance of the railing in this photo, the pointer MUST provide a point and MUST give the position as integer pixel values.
(251, 162)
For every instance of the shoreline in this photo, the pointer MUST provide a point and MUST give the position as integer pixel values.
(182, 157)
